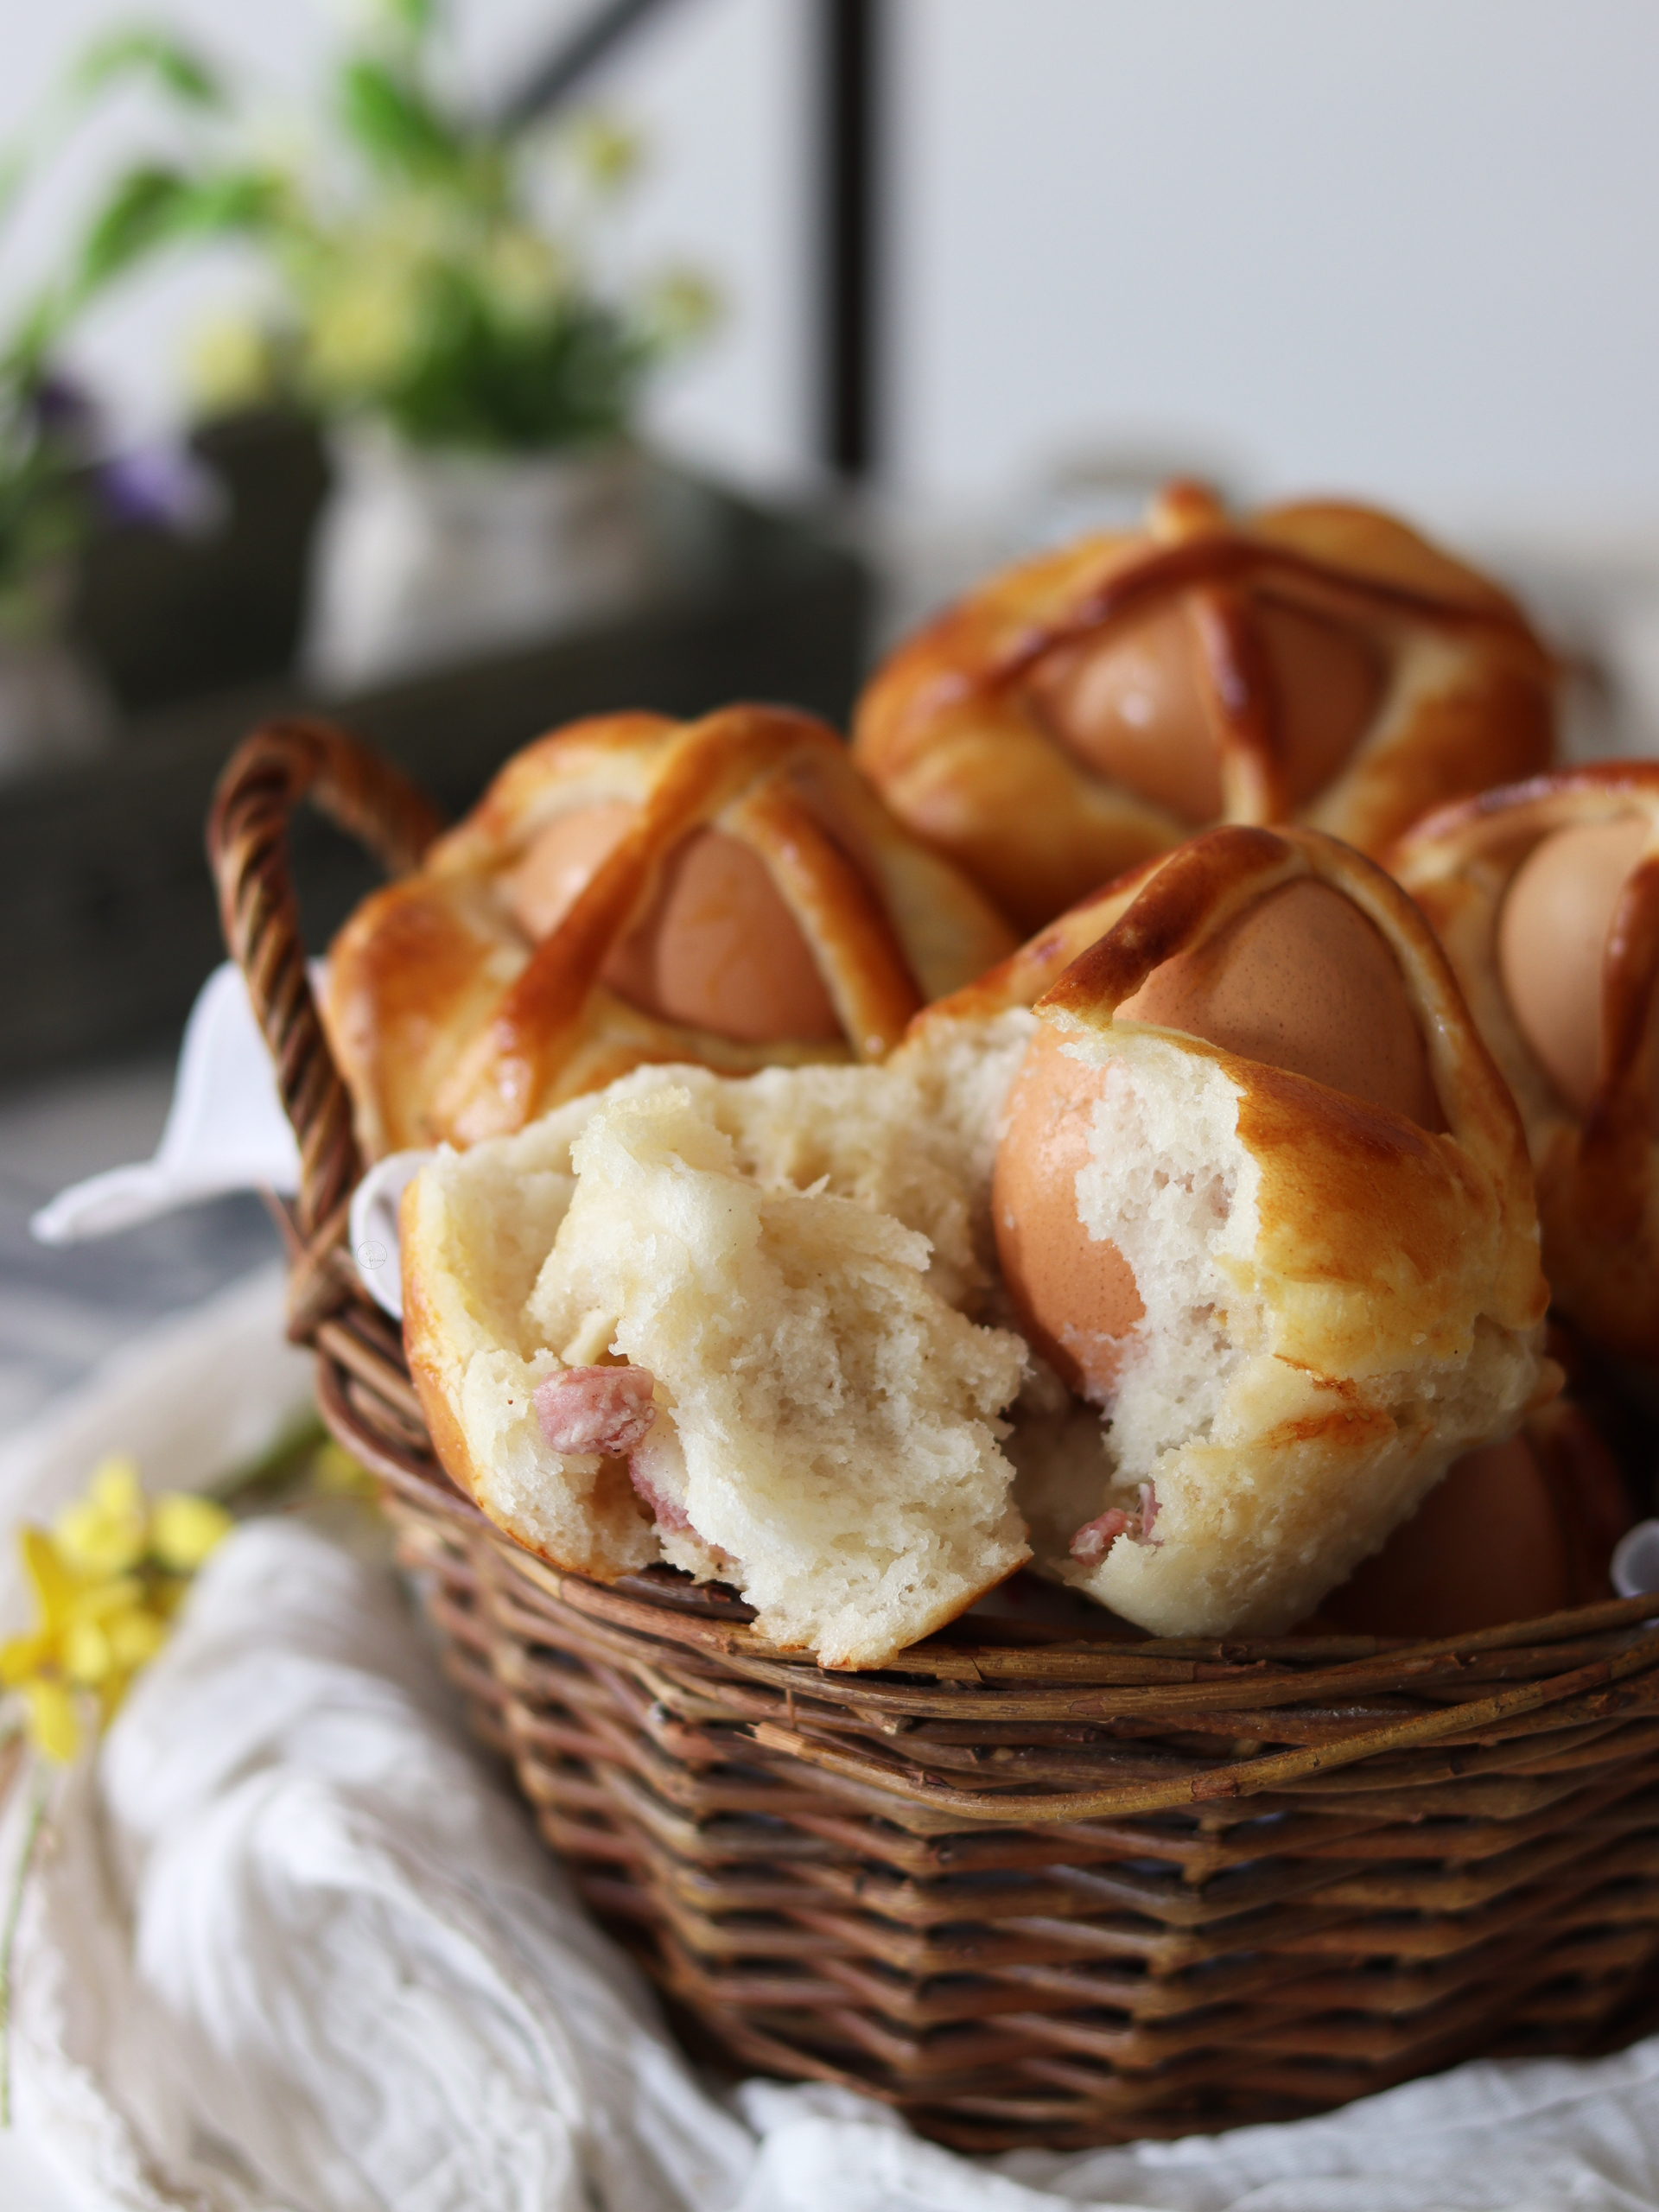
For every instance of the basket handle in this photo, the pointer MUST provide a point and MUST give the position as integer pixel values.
(359, 791)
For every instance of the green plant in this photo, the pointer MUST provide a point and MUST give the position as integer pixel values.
(429, 270)
(41, 500)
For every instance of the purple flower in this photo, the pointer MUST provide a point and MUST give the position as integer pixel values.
(161, 487)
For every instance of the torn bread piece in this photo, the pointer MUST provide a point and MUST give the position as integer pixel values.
(1291, 1302)
(704, 1321)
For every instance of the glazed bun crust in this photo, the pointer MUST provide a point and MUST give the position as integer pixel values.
(1595, 1154)
(1319, 662)
(729, 893)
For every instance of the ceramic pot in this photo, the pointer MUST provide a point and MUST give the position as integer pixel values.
(428, 558)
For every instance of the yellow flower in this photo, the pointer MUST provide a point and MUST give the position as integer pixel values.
(184, 1529)
(607, 152)
(134, 1636)
(680, 306)
(230, 362)
(523, 274)
(107, 1579)
(104, 1532)
(366, 328)
(336, 1474)
(85, 1653)
(53, 1722)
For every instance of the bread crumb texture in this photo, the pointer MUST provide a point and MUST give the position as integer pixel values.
(797, 1260)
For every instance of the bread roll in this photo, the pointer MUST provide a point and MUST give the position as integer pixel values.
(1545, 898)
(727, 891)
(1317, 662)
(1290, 1305)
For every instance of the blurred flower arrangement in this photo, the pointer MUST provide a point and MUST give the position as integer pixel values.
(431, 284)
(432, 272)
(52, 479)
(40, 501)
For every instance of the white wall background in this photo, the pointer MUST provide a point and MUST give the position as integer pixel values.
(1391, 244)
(1398, 247)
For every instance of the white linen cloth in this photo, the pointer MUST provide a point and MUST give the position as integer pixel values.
(290, 1947)
(226, 1128)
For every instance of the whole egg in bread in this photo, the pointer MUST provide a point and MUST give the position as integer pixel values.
(1136, 706)
(1516, 1530)
(1260, 1200)
(719, 949)
(1553, 929)
(726, 893)
(1088, 709)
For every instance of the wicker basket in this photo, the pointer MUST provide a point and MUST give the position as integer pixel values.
(1055, 1885)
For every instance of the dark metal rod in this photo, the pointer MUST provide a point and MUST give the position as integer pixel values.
(849, 45)
(573, 58)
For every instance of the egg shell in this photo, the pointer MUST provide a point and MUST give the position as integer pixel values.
(1138, 706)
(1075, 1296)
(1327, 681)
(561, 861)
(719, 949)
(1131, 705)
(1301, 980)
(1552, 934)
(1486, 1546)
(1513, 1531)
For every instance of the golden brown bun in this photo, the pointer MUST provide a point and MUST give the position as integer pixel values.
(1343, 1302)
(454, 1015)
(1190, 899)
(1597, 1172)
(1320, 663)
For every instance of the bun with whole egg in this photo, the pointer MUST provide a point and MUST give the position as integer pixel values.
(1261, 1202)
(1095, 706)
(727, 891)
(1545, 898)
